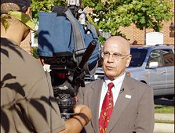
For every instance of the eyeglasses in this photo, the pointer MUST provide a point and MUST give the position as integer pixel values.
(116, 55)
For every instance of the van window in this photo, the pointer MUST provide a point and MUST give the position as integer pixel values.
(168, 57)
(155, 56)
(138, 57)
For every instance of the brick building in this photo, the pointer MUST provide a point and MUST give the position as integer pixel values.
(136, 35)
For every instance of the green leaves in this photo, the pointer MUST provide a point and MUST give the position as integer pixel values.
(4, 21)
(44, 5)
(113, 14)
(119, 13)
(99, 7)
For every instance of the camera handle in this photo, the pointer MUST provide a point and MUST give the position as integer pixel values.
(85, 58)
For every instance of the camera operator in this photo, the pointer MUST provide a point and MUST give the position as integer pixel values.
(27, 105)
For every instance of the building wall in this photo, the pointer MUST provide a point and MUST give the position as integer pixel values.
(134, 34)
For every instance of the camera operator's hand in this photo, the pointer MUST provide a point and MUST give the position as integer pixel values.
(80, 108)
(79, 120)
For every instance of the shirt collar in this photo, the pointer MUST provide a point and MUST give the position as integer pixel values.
(116, 81)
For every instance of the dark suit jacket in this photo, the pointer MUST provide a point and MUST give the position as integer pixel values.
(133, 111)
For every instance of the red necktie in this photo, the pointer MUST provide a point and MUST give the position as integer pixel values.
(106, 110)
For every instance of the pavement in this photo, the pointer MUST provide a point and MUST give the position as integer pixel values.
(164, 127)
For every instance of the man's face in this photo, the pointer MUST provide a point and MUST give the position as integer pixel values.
(113, 65)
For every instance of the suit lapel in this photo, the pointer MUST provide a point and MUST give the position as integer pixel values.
(94, 103)
(123, 100)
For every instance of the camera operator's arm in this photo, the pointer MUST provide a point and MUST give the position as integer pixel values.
(79, 120)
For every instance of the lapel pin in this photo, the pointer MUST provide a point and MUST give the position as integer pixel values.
(128, 96)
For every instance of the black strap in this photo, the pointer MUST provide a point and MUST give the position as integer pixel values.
(79, 46)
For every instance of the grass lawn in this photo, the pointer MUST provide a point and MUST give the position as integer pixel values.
(165, 109)
(164, 121)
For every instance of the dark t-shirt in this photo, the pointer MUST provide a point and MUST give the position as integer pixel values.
(25, 105)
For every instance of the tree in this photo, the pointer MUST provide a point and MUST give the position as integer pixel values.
(112, 14)
(44, 5)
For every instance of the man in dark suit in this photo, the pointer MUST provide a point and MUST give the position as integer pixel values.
(124, 106)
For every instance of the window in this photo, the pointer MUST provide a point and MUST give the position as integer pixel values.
(155, 56)
(138, 57)
(168, 57)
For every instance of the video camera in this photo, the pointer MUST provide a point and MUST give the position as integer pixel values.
(66, 79)
(66, 75)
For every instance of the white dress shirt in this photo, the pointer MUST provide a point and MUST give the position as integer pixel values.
(115, 90)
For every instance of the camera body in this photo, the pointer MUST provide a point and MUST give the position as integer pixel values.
(67, 53)
(66, 79)
(62, 67)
